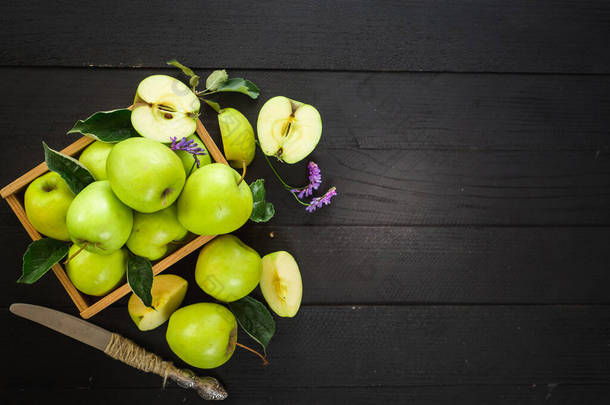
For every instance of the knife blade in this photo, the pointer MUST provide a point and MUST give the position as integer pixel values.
(118, 347)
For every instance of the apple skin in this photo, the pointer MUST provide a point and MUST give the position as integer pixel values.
(212, 203)
(228, 269)
(202, 335)
(94, 158)
(145, 174)
(152, 232)
(95, 274)
(188, 161)
(281, 283)
(168, 291)
(99, 219)
(237, 137)
(46, 203)
(155, 96)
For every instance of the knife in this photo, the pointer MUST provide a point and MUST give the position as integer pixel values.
(119, 348)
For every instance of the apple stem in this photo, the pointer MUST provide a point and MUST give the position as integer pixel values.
(76, 253)
(265, 362)
(243, 172)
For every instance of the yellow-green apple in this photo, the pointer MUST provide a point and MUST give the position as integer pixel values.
(202, 335)
(281, 283)
(96, 274)
(94, 158)
(214, 201)
(46, 203)
(164, 107)
(188, 161)
(152, 234)
(168, 291)
(228, 269)
(237, 137)
(97, 220)
(145, 174)
(288, 129)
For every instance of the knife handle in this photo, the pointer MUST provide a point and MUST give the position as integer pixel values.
(128, 352)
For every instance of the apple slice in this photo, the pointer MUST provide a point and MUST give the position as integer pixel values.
(281, 283)
(164, 107)
(168, 291)
(288, 129)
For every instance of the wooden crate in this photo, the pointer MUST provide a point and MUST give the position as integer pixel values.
(89, 306)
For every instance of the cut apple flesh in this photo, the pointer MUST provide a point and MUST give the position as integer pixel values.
(281, 283)
(164, 108)
(168, 291)
(288, 129)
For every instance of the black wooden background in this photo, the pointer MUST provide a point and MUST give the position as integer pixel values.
(466, 259)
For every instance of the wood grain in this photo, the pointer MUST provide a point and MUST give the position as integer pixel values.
(518, 36)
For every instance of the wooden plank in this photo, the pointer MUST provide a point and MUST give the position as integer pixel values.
(364, 110)
(518, 36)
(399, 265)
(363, 346)
(552, 394)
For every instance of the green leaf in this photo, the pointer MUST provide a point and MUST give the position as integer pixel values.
(106, 126)
(255, 320)
(215, 79)
(194, 79)
(40, 256)
(140, 278)
(240, 86)
(213, 104)
(71, 170)
(262, 211)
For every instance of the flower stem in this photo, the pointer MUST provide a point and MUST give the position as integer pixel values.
(276, 173)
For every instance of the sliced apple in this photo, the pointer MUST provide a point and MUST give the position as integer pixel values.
(288, 129)
(164, 107)
(168, 291)
(281, 283)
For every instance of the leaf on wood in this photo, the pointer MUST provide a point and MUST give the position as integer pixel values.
(255, 320)
(262, 211)
(40, 256)
(240, 86)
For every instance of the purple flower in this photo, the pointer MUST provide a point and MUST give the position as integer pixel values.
(318, 202)
(189, 146)
(315, 179)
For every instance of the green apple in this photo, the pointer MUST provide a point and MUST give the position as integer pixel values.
(213, 202)
(288, 129)
(96, 274)
(146, 175)
(237, 137)
(94, 158)
(98, 220)
(228, 269)
(168, 291)
(203, 335)
(188, 161)
(164, 108)
(281, 283)
(46, 203)
(153, 233)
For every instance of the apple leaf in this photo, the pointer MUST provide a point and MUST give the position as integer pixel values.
(215, 79)
(140, 278)
(193, 78)
(255, 320)
(262, 211)
(213, 104)
(40, 256)
(240, 86)
(106, 126)
(71, 170)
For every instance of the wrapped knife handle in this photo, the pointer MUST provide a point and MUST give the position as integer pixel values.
(128, 352)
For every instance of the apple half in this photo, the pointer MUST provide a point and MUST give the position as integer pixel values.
(164, 108)
(168, 291)
(288, 129)
(281, 283)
